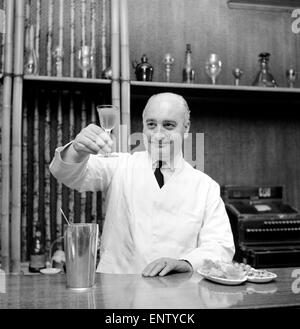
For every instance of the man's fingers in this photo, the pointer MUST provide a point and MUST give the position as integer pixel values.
(168, 268)
(94, 128)
(106, 138)
(85, 144)
(154, 268)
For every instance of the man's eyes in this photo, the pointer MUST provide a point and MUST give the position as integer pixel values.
(169, 125)
(151, 125)
(166, 125)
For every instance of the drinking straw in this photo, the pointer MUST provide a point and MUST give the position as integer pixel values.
(64, 216)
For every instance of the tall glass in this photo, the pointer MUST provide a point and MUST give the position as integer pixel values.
(80, 244)
(108, 115)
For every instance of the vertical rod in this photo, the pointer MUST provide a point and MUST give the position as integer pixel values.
(6, 141)
(17, 138)
(115, 64)
(59, 72)
(103, 35)
(38, 32)
(72, 37)
(93, 36)
(2, 45)
(125, 76)
(49, 38)
(83, 9)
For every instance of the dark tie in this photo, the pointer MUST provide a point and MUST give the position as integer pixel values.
(158, 175)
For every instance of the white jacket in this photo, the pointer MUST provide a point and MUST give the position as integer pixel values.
(185, 219)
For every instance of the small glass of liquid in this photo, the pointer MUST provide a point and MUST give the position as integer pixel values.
(108, 115)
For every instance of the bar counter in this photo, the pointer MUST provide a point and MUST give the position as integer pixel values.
(175, 291)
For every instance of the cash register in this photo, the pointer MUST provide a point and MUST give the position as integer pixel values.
(266, 230)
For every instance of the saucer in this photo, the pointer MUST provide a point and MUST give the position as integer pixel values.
(50, 270)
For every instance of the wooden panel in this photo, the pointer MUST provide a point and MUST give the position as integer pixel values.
(248, 141)
(238, 36)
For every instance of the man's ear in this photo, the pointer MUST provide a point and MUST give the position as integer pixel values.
(187, 129)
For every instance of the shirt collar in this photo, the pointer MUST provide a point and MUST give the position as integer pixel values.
(172, 164)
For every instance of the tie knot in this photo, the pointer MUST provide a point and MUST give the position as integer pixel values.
(160, 163)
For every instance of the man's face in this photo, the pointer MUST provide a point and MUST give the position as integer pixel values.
(164, 128)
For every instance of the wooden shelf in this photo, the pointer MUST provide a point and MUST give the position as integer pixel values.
(164, 85)
(170, 85)
(66, 79)
(266, 5)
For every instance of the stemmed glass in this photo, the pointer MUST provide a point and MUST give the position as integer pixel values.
(291, 77)
(213, 67)
(85, 59)
(108, 115)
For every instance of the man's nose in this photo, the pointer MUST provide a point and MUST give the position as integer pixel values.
(159, 134)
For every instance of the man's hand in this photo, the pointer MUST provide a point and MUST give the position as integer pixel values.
(163, 266)
(90, 140)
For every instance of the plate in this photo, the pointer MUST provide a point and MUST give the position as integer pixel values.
(50, 270)
(271, 276)
(230, 282)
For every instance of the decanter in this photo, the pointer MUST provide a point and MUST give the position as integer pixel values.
(188, 73)
(143, 70)
(264, 78)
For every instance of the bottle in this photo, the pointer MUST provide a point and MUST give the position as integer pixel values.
(188, 74)
(31, 61)
(37, 253)
(264, 78)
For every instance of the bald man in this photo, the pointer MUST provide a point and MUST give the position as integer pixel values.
(162, 215)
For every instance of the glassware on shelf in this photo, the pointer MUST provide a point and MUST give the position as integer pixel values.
(108, 115)
(188, 73)
(237, 73)
(107, 73)
(291, 77)
(31, 60)
(213, 67)
(85, 59)
(168, 62)
(143, 70)
(264, 78)
(58, 55)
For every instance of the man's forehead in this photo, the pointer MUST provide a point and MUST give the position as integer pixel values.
(167, 105)
(165, 101)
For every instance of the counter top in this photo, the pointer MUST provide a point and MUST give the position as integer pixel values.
(175, 291)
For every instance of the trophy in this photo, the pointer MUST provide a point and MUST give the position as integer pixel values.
(85, 59)
(291, 77)
(213, 67)
(168, 62)
(58, 55)
(237, 73)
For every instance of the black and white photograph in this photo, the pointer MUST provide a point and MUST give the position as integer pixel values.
(150, 158)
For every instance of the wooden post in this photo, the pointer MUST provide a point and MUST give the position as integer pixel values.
(17, 138)
(6, 122)
(49, 38)
(103, 35)
(125, 76)
(115, 64)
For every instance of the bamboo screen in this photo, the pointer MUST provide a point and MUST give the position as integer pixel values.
(2, 3)
(53, 113)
